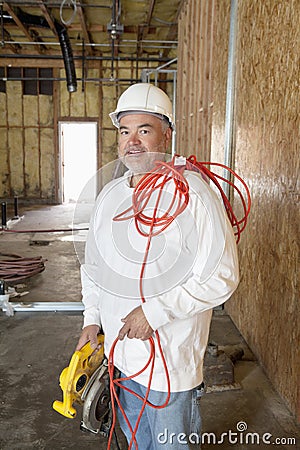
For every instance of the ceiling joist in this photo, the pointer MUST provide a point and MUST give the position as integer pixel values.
(84, 28)
(48, 17)
(143, 30)
(31, 36)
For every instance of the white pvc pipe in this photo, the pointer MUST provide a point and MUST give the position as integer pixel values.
(230, 95)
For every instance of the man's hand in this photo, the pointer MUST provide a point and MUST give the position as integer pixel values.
(136, 326)
(89, 333)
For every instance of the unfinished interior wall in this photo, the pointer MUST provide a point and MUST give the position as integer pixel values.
(267, 153)
(29, 148)
(83, 105)
(26, 130)
(265, 306)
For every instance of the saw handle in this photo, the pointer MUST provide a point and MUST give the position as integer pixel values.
(74, 378)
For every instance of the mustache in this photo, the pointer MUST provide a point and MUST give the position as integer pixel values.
(134, 148)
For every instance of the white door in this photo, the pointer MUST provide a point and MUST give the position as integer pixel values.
(78, 161)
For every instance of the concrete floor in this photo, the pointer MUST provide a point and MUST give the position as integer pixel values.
(35, 347)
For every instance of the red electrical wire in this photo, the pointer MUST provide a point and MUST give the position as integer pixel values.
(238, 225)
(151, 184)
(18, 268)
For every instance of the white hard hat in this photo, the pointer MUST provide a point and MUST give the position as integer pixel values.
(144, 97)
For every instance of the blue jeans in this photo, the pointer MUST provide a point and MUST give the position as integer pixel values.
(176, 426)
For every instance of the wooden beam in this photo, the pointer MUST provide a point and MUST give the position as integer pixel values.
(15, 48)
(85, 32)
(48, 17)
(22, 27)
(40, 63)
(96, 28)
(143, 30)
(173, 31)
(17, 20)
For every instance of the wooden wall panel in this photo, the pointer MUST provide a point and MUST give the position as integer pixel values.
(267, 154)
(4, 164)
(3, 109)
(220, 63)
(194, 100)
(265, 306)
(181, 84)
(47, 164)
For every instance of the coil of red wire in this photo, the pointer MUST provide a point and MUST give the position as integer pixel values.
(14, 268)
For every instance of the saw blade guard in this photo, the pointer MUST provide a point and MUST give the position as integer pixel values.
(74, 378)
(96, 413)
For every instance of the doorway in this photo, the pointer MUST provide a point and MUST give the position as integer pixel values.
(78, 161)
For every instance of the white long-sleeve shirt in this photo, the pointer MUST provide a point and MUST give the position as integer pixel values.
(192, 267)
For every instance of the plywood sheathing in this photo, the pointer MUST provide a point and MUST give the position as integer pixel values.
(220, 64)
(265, 306)
(267, 154)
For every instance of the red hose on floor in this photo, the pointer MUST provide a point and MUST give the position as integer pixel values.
(17, 268)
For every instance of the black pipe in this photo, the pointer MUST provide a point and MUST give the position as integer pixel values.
(66, 49)
(83, 67)
(2, 287)
(68, 57)
(16, 216)
(3, 211)
(2, 25)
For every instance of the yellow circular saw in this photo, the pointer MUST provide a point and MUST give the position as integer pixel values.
(86, 382)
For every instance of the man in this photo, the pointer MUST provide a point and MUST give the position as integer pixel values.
(191, 267)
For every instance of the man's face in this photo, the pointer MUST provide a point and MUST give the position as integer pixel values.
(143, 138)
